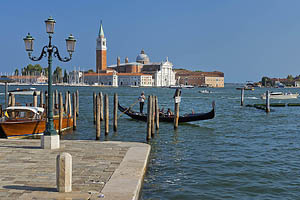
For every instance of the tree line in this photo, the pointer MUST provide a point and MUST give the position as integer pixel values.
(269, 82)
(38, 70)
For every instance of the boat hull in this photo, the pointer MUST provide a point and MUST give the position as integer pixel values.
(11, 129)
(164, 118)
(282, 97)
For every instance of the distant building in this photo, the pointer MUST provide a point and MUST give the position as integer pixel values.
(109, 79)
(75, 77)
(101, 51)
(161, 72)
(30, 79)
(134, 79)
(209, 79)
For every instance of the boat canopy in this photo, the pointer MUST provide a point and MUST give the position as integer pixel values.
(26, 108)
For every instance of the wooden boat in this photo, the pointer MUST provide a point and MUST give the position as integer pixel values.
(281, 95)
(23, 121)
(164, 118)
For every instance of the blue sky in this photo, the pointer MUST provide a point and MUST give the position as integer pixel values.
(245, 39)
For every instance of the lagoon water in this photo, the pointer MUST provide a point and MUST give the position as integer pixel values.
(243, 153)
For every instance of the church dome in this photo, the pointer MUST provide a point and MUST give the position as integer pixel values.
(142, 58)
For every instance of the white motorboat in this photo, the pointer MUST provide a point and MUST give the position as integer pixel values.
(181, 86)
(281, 95)
(25, 91)
(205, 91)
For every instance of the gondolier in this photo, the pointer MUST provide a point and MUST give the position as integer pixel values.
(142, 99)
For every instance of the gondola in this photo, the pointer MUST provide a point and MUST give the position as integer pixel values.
(165, 118)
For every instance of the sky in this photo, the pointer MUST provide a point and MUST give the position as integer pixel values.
(245, 39)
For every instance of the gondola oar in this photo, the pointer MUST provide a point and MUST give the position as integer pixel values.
(127, 109)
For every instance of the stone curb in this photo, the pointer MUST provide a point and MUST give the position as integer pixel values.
(126, 182)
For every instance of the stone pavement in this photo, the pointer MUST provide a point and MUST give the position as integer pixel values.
(101, 170)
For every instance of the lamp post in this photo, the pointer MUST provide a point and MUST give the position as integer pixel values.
(51, 50)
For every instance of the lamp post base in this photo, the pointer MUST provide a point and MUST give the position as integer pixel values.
(50, 142)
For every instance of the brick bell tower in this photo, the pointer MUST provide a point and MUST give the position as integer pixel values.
(101, 51)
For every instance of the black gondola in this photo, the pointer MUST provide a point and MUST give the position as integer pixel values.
(165, 118)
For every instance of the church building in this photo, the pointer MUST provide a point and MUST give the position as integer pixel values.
(101, 51)
(139, 73)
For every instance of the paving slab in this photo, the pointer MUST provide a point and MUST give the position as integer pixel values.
(101, 170)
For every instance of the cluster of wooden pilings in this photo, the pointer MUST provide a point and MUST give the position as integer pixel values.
(101, 112)
(71, 104)
(152, 117)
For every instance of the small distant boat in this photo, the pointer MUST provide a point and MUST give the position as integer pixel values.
(175, 87)
(205, 91)
(246, 88)
(280, 95)
(188, 86)
(181, 86)
(23, 121)
(134, 86)
(29, 91)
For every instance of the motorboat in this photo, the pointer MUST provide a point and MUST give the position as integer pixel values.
(29, 91)
(280, 95)
(205, 91)
(181, 86)
(23, 121)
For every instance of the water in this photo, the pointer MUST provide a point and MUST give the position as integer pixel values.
(243, 153)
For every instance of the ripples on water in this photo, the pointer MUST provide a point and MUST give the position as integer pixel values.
(243, 153)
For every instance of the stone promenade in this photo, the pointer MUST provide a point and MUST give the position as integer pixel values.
(101, 170)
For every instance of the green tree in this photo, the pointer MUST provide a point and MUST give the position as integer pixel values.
(16, 72)
(32, 70)
(90, 71)
(65, 79)
(265, 81)
(290, 77)
(57, 75)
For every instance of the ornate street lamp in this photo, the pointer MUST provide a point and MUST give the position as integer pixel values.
(51, 49)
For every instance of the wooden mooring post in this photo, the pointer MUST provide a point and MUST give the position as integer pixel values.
(56, 99)
(74, 111)
(13, 100)
(153, 117)
(101, 106)
(94, 106)
(115, 124)
(149, 117)
(70, 104)
(267, 101)
(46, 103)
(176, 108)
(106, 115)
(9, 100)
(41, 99)
(6, 93)
(66, 102)
(35, 99)
(156, 113)
(77, 103)
(98, 124)
(242, 96)
(61, 112)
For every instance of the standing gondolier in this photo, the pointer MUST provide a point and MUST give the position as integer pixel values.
(142, 99)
